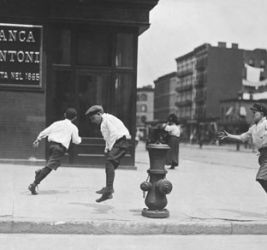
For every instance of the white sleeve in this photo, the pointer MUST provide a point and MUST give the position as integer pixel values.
(45, 132)
(76, 139)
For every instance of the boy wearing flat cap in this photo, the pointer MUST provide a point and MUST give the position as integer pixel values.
(115, 135)
(258, 134)
(59, 135)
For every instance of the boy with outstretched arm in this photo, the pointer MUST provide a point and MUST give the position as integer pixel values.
(59, 134)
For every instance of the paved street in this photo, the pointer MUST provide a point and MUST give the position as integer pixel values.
(122, 242)
(214, 192)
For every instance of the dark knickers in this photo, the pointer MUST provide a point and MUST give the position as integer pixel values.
(113, 161)
(55, 155)
(118, 150)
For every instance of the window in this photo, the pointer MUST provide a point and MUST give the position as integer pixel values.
(125, 94)
(93, 88)
(251, 62)
(143, 108)
(62, 94)
(93, 49)
(124, 50)
(101, 69)
(143, 97)
(143, 118)
(62, 48)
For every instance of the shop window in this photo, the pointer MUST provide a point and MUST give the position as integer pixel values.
(93, 49)
(62, 47)
(93, 88)
(62, 94)
(124, 103)
(124, 50)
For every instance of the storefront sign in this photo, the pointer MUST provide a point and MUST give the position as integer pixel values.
(20, 55)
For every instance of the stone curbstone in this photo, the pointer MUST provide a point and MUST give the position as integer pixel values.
(248, 227)
(133, 228)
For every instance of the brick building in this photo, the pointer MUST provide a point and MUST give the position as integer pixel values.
(144, 106)
(209, 74)
(165, 96)
(55, 54)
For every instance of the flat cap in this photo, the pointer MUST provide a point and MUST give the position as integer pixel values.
(94, 109)
(259, 107)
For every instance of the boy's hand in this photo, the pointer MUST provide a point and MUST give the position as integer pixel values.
(36, 143)
(222, 135)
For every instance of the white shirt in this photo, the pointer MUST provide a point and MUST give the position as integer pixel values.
(63, 132)
(112, 129)
(173, 130)
(258, 133)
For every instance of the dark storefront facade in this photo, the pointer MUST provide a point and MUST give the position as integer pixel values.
(57, 54)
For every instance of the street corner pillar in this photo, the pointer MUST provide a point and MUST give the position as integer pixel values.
(156, 185)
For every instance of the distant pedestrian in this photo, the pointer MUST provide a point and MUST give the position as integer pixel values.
(201, 137)
(138, 136)
(258, 134)
(59, 134)
(115, 135)
(173, 139)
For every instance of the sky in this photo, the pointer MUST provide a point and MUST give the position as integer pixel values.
(178, 26)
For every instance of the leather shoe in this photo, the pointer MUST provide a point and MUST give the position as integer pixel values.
(105, 196)
(32, 189)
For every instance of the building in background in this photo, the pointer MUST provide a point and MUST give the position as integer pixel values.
(209, 74)
(165, 96)
(56, 54)
(144, 108)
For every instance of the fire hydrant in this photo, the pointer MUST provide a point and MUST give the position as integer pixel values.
(157, 186)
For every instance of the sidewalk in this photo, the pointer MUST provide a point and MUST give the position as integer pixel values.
(206, 199)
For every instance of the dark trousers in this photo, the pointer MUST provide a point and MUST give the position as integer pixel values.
(262, 173)
(172, 157)
(113, 161)
(55, 154)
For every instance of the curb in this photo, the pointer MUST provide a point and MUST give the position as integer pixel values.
(133, 228)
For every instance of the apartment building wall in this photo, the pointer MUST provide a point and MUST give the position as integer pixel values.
(224, 77)
(165, 96)
(144, 106)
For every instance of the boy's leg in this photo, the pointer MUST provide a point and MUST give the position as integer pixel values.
(39, 176)
(263, 184)
(56, 153)
(113, 161)
(110, 175)
(108, 178)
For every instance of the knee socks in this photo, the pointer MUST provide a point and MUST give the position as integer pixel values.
(110, 176)
(41, 174)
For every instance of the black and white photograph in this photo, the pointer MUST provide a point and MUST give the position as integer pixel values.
(133, 124)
